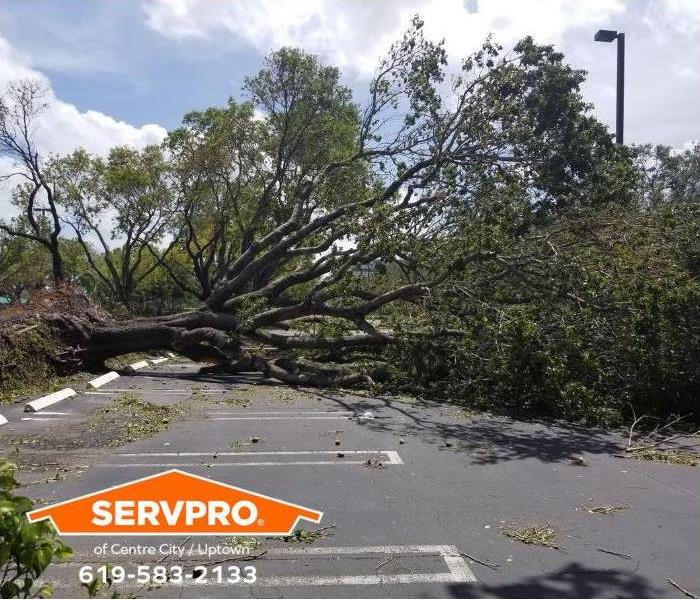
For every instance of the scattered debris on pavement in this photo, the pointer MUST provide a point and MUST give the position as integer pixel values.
(669, 457)
(246, 441)
(542, 534)
(609, 509)
(303, 536)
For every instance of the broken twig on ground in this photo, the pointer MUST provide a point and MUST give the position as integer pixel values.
(675, 585)
(481, 562)
(626, 556)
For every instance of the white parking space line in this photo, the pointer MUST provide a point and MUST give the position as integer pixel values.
(50, 412)
(392, 457)
(458, 570)
(295, 463)
(41, 419)
(142, 391)
(262, 453)
(281, 418)
(287, 412)
(3, 420)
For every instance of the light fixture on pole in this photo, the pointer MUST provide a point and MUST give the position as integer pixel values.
(607, 35)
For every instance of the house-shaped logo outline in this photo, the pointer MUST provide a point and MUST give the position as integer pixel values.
(303, 512)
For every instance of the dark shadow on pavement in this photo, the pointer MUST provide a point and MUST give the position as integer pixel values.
(571, 581)
(483, 438)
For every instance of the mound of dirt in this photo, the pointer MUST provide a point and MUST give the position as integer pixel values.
(38, 340)
(65, 300)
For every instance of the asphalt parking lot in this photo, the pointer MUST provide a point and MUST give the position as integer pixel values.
(416, 496)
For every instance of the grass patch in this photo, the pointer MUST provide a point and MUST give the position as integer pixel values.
(130, 418)
(542, 534)
(669, 457)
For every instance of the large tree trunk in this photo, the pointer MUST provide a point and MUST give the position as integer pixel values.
(203, 335)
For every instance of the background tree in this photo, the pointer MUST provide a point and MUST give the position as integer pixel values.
(20, 106)
(116, 208)
(667, 176)
(214, 157)
(24, 265)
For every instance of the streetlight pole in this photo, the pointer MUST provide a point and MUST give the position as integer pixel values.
(606, 35)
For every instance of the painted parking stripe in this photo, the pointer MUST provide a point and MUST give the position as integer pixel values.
(45, 401)
(294, 463)
(137, 390)
(102, 379)
(457, 569)
(3, 420)
(392, 456)
(41, 418)
(281, 418)
(285, 412)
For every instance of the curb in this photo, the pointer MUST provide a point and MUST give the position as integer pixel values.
(45, 401)
(102, 379)
(136, 366)
(3, 420)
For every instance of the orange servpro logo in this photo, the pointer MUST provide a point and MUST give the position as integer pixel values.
(176, 503)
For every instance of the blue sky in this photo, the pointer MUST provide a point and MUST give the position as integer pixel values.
(124, 71)
(103, 56)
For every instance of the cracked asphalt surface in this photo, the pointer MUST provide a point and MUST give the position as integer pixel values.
(417, 527)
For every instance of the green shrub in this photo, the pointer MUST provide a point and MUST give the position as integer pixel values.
(26, 549)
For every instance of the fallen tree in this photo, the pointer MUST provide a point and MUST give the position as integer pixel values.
(298, 207)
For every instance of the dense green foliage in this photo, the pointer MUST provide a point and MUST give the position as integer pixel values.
(604, 313)
(26, 550)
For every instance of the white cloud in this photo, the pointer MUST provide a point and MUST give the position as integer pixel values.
(353, 34)
(662, 77)
(63, 127)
